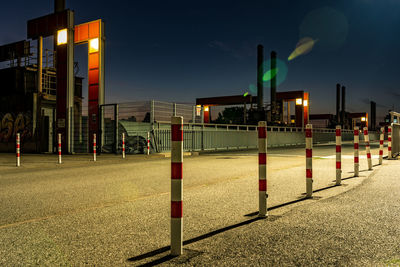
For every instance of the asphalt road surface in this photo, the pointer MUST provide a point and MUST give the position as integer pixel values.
(116, 212)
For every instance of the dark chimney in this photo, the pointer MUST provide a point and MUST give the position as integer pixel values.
(343, 119)
(372, 119)
(338, 103)
(260, 74)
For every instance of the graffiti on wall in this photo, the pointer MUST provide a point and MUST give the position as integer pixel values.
(13, 123)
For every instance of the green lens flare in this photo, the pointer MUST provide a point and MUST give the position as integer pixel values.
(245, 94)
(269, 75)
(253, 89)
(303, 47)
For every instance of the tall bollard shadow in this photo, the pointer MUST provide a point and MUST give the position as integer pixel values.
(186, 242)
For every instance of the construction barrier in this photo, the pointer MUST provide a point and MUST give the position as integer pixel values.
(356, 151)
(18, 149)
(309, 180)
(262, 168)
(381, 139)
(94, 147)
(176, 185)
(338, 155)
(59, 148)
(367, 148)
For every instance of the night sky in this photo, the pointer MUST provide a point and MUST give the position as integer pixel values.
(180, 50)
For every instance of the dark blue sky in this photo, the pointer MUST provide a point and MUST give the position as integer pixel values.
(180, 50)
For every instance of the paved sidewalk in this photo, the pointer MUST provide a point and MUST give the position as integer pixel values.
(360, 227)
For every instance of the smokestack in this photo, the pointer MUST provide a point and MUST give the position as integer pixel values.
(338, 103)
(372, 122)
(273, 85)
(343, 120)
(260, 73)
(59, 5)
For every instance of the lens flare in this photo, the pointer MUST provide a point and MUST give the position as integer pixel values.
(245, 94)
(253, 89)
(304, 46)
(270, 74)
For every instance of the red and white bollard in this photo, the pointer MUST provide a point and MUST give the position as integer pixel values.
(123, 145)
(18, 149)
(356, 151)
(338, 155)
(94, 147)
(309, 180)
(262, 169)
(381, 139)
(59, 148)
(148, 143)
(367, 148)
(176, 185)
(389, 142)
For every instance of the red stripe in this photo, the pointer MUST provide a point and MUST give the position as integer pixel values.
(176, 170)
(262, 158)
(389, 138)
(380, 152)
(381, 142)
(338, 165)
(308, 173)
(338, 132)
(368, 155)
(355, 159)
(262, 133)
(177, 133)
(338, 148)
(389, 148)
(308, 153)
(18, 146)
(365, 132)
(18, 155)
(355, 145)
(356, 132)
(262, 185)
(389, 130)
(308, 133)
(176, 209)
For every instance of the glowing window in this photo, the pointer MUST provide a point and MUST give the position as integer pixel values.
(62, 37)
(299, 101)
(198, 110)
(93, 45)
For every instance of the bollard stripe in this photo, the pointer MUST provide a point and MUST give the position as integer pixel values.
(262, 185)
(355, 159)
(356, 132)
(389, 130)
(176, 209)
(368, 155)
(262, 133)
(177, 133)
(338, 165)
(355, 145)
(338, 148)
(365, 132)
(389, 148)
(176, 170)
(381, 142)
(338, 133)
(389, 138)
(262, 158)
(308, 133)
(308, 153)
(380, 152)
(308, 173)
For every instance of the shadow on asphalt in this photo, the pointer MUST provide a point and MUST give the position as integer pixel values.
(186, 242)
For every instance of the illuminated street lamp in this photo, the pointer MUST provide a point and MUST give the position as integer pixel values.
(363, 119)
(206, 108)
(305, 103)
(62, 37)
(299, 101)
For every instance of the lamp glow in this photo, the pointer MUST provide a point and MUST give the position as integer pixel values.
(62, 37)
(206, 109)
(93, 45)
(363, 119)
(305, 103)
(299, 101)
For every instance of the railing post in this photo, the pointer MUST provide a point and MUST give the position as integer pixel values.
(59, 148)
(309, 177)
(367, 148)
(389, 142)
(262, 169)
(381, 139)
(356, 151)
(176, 185)
(18, 149)
(338, 155)
(123, 145)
